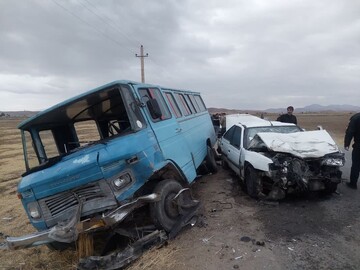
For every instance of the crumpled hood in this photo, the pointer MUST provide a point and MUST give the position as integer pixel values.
(306, 144)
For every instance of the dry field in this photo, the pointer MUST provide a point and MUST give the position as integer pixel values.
(14, 222)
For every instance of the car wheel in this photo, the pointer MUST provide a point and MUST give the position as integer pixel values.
(253, 182)
(210, 161)
(224, 164)
(164, 212)
(330, 188)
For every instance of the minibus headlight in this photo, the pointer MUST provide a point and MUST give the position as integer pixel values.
(34, 210)
(122, 181)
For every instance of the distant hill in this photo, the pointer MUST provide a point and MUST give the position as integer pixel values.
(17, 113)
(319, 108)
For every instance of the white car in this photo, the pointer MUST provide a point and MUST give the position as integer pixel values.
(274, 158)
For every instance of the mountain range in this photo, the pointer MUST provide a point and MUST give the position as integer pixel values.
(319, 108)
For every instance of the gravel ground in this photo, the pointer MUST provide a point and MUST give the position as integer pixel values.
(237, 232)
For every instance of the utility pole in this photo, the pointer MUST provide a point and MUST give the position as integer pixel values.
(142, 62)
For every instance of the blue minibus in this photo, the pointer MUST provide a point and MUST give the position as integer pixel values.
(97, 157)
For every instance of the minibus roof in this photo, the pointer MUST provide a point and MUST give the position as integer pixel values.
(71, 108)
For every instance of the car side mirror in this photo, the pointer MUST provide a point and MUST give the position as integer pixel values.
(154, 108)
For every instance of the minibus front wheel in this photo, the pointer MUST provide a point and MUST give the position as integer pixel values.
(165, 212)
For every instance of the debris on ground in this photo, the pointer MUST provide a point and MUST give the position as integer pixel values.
(260, 243)
(245, 239)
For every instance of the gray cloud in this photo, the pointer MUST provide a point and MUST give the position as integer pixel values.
(239, 54)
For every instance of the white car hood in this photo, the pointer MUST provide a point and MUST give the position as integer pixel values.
(307, 144)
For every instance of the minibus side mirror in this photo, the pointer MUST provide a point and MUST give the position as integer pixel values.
(154, 108)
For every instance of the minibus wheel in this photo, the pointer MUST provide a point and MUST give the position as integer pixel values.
(164, 212)
(210, 161)
(59, 246)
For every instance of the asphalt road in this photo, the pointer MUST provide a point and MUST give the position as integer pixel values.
(309, 232)
(316, 232)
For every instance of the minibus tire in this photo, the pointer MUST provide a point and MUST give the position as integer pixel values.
(210, 161)
(59, 246)
(163, 212)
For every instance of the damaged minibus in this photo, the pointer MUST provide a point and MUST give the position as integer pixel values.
(96, 158)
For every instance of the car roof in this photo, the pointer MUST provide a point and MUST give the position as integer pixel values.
(248, 120)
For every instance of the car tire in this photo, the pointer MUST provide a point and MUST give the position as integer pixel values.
(210, 161)
(224, 164)
(164, 212)
(252, 181)
(329, 188)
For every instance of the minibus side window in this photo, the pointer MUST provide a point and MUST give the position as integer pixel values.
(192, 109)
(182, 103)
(173, 104)
(200, 103)
(192, 99)
(155, 93)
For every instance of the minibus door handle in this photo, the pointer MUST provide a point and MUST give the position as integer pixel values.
(132, 160)
(178, 130)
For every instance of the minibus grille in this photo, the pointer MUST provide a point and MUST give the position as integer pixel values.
(63, 201)
(95, 197)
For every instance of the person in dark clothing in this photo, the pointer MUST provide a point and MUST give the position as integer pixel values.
(353, 132)
(215, 118)
(288, 117)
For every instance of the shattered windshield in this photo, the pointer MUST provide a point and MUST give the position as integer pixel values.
(72, 125)
(251, 132)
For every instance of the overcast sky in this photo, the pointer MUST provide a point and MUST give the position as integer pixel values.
(253, 54)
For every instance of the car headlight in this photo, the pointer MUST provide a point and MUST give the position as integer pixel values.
(333, 162)
(33, 210)
(122, 181)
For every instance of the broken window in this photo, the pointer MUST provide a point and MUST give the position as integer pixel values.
(48, 143)
(29, 150)
(87, 132)
(91, 118)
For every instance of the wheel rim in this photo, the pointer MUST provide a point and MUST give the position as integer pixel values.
(170, 206)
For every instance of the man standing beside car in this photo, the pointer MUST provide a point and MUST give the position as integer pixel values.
(288, 117)
(353, 132)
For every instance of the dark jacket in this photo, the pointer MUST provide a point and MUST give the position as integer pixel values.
(287, 118)
(353, 131)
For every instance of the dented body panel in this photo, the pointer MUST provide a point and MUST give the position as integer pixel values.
(281, 158)
(107, 148)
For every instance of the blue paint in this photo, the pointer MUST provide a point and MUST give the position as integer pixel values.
(140, 146)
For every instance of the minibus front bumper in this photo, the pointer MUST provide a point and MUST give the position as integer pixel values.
(68, 232)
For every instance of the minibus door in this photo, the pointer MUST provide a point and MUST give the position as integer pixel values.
(167, 131)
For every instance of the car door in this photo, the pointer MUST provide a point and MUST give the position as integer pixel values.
(231, 147)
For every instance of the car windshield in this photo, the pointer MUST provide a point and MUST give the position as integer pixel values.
(251, 132)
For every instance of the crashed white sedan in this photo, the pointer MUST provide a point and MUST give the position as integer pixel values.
(274, 159)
